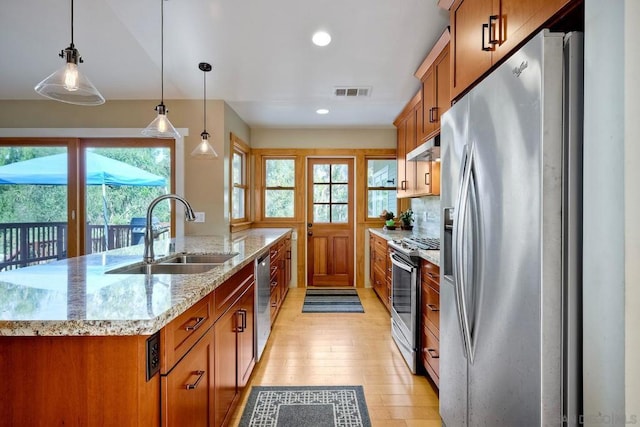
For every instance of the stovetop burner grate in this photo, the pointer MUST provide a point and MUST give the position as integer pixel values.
(427, 243)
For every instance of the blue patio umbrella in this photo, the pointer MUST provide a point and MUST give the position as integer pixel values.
(100, 170)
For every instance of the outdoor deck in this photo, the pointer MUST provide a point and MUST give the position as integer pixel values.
(31, 243)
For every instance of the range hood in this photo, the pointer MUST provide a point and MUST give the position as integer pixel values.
(428, 151)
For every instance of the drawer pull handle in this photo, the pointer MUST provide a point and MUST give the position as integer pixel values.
(193, 386)
(433, 307)
(196, 325)
(433, 353)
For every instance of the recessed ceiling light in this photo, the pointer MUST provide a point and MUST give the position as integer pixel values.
(322, 111)
(321, 38)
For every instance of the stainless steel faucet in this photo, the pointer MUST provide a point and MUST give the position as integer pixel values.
(148, 233)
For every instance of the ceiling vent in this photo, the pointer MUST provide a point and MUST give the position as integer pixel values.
(351, 92)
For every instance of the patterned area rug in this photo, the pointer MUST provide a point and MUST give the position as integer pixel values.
(320, 406)
(332, 301)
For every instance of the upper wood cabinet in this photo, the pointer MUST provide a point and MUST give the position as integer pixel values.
(485, 31)
(434, 73)
(407, 126)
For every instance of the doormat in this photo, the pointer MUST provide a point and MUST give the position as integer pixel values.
(317, 406)
(332, 301)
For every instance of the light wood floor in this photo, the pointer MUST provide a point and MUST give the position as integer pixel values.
(346, 349)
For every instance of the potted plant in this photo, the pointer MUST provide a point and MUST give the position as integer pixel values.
(406, 218)
(390, 224)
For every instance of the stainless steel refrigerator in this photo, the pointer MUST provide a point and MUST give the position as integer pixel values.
(511, 258)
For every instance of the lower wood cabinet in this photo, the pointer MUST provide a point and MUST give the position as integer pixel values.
(234, 354)
(188, 390)
(430, 320)
(380, 272)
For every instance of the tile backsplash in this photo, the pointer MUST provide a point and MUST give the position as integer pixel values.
(426, 214)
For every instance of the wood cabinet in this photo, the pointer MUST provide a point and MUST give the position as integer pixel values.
(436, 82)
(188, 390)
(233, 341)
(280, 261)
(485, 31)
(430, 320)
(420, 121)
(380, 269)
(407, 132)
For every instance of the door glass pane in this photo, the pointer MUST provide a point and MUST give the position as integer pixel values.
(280, 173)
(339, 193)
(237, 210)
(320, 193)
(33, 205)
(279, 203)
(339, 213)
(339, 173)
(120, 183)
(320, 213)
(321, 173)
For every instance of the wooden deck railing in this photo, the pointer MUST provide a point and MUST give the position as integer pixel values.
(30, 243)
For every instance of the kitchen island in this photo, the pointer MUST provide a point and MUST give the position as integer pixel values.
(80, 346)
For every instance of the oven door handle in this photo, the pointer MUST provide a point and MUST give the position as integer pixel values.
(401, 264)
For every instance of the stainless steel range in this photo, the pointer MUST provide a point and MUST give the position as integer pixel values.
(405, 294)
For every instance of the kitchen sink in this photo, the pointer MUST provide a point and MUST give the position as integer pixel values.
(211, 258)
(164, 268)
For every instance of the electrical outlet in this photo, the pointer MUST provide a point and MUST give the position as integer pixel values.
(199, 217)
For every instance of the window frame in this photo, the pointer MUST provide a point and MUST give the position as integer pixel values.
(238, 146)
(368, 188)
(265, 188)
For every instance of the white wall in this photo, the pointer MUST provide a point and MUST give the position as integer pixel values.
(632, 207)
(610, 207)
(323, 138)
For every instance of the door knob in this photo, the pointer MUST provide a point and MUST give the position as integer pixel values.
(309, 233)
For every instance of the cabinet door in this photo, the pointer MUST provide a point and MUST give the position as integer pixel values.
(443, 83)
(246, 331)
(518, 19)
(423, 178)
(401, 155)
(189, 389)
(470, 61)
(429, 107)
(226, 386)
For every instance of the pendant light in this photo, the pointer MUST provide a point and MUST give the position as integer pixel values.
(68, 84)
(161, 127)
(204, 150)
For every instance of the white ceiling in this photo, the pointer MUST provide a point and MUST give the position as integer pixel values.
(265, 65)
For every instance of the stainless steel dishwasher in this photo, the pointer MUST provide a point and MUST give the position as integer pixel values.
(262, 303)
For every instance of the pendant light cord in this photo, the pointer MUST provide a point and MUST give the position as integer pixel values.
(72, 46)
(161, 51)
(204, 75)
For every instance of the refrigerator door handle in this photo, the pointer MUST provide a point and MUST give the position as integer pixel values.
(455, 251)
(461, 279)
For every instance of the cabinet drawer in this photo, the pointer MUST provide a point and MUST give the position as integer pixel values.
(183, 332)
(226, 294)
(431, 309)
(431, 354)
(431, 273)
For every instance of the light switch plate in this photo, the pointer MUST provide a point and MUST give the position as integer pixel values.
(199, 217)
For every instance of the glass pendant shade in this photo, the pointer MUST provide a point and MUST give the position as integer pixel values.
(68, 84)
(204, 150)
(161, 127)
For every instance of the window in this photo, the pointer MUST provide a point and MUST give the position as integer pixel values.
(381, 186)
(279, 192)
(330, 193)
(239, 187)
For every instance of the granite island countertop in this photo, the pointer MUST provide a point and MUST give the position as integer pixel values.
(76, 296)
(431, 256)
